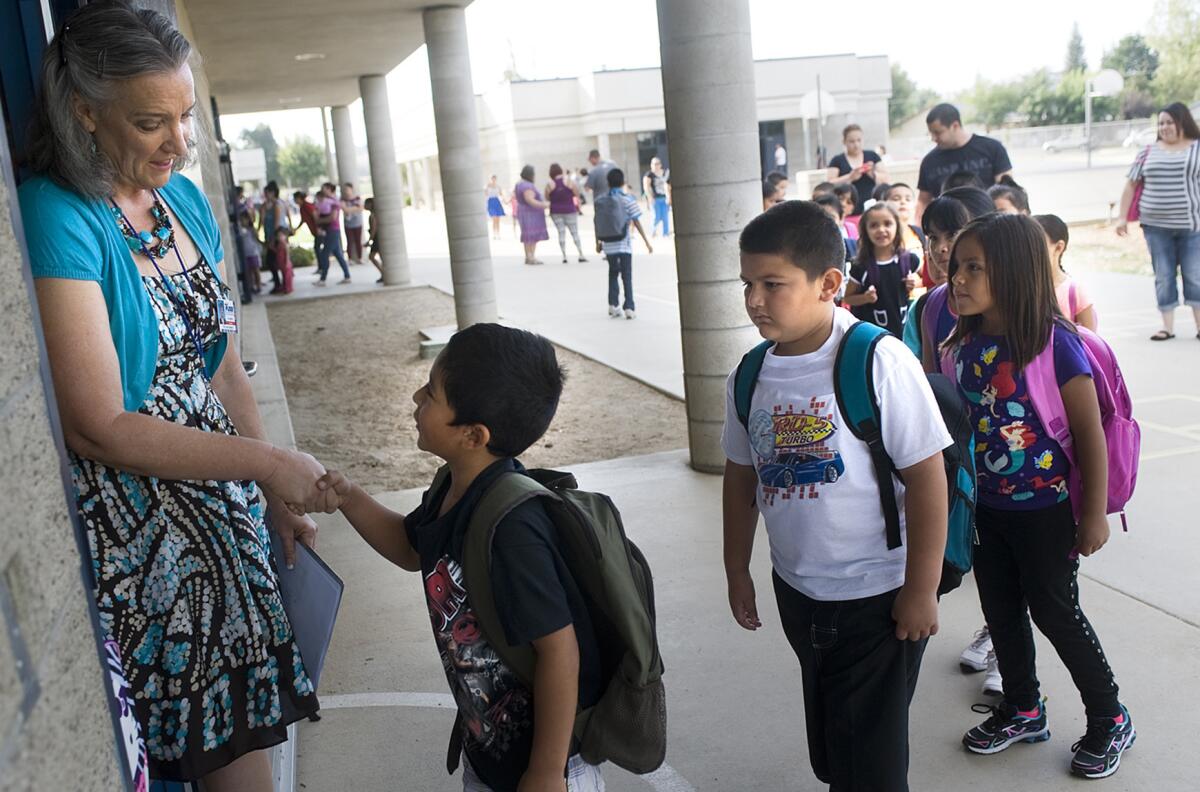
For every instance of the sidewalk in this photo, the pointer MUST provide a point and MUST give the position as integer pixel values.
(735, 716)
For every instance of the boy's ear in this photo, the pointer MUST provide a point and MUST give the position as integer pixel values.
(831, 283)
(476, 436)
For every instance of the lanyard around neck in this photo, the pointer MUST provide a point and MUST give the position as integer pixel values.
(177, 300)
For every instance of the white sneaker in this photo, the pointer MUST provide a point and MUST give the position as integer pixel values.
(614, 312)
(975, 656)
(993, 683)
(318, 283)
(629, 314)
(343, 281)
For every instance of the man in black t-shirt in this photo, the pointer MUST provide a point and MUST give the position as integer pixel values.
(957, 150)
(491, 394)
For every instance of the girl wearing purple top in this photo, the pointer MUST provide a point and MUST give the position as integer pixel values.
(564, 211)
(531, 211)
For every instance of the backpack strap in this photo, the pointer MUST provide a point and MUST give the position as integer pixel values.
(854, 386)
(745, 378)
(935, 304)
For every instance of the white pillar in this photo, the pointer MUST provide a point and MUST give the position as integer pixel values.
(385, 179)
(330, 168)
(343, 143)
(460, 163)
(410, 174)
(708, 94)
(427, 183)
(603, 146)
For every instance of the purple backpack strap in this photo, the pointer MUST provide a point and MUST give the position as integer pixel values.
(1041, 383)
(935, 304)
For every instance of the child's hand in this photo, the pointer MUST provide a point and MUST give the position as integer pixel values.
(1091, 534)
(542, 781)
(332, 491)
(649, 248)
(870, 295)
(742, 600)
(915, 613)
(599, 247)
(910, 283)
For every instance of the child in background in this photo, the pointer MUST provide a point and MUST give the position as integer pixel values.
(1027, 557)
(855, 613)
(492, 393)
(1073, 300)
(824, 188)
(847, 195)
(251, 250)
(901, 198)
(883, 276)
(374, 254)
(1009, 197)
(833, 208)
(620, 252)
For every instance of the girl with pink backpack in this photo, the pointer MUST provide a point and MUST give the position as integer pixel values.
(1053, 431)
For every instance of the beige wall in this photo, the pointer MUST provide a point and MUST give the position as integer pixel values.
(56, 732)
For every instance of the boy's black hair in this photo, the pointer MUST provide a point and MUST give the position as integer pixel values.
(946, 215)
(842, 190)
(272, 187)
(799, 231)
(977, 201)
(880, 192)
(824, 188)
(894, 185)
(769, 189)
(830, 200)
(944, 113)
(1013, 192)
(508, 380)
(962, 178)
(616, 178)
(594, 153)
(776, 176)
(299, 195)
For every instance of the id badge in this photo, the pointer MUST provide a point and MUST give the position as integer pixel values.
(226, 315)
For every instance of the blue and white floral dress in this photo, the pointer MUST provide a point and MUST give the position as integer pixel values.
(184, 579)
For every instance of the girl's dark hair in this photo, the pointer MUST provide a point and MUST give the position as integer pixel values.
(1019, 278)
(527, 173)
(880, 192)
(831, 201)
(824, 188)
(976, 201)
(962, 178)
(866, 248)
(946, 215)
(842, 190)
(272, 188)
(1183, 119)
(555, 170)
(1013, 192)
(1056, 231)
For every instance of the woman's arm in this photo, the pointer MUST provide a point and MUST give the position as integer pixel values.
(87, 384)
(531, 197)
(1126, 202)
(880, 172)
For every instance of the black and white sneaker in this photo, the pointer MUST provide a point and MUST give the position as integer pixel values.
(1098, 752)
(1006, 725)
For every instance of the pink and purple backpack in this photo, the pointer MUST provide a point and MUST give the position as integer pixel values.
(1122, 436)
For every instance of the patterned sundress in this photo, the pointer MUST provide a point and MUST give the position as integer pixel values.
(184, 579)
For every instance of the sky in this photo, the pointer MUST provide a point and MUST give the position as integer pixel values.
(942, 45)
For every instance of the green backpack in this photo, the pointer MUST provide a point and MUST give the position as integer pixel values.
(628, 725)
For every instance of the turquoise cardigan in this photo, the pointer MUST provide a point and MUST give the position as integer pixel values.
(73, 237)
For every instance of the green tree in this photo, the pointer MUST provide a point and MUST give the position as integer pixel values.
(1075, 57)
(262, 137)
(301, 162)
(1175, 33)
(907, 97)
(992, 103)
(1135, 59)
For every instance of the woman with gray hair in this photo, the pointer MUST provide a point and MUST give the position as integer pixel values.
(165, 441)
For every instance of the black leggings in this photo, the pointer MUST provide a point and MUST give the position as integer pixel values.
(1023, 568)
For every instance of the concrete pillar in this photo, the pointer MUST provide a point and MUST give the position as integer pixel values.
(460, 163)
(343, 144)
(604, 146)
(385, 179)
(410, 188)
(330, 166)
(427, 183)
(708, 93)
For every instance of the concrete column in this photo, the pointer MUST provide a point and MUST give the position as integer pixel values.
(343, 144)
(708, 93)
(410, 175)
(385, 179)
(330, 165)
(427, 183)
(460, 163)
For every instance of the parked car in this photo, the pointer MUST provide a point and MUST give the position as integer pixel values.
(1141, 138)
(1066, 143)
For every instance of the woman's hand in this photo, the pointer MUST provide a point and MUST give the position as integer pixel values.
(293, 478)
(1123, 228)
(293, 528)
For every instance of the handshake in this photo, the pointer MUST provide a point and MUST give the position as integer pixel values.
(304, 485)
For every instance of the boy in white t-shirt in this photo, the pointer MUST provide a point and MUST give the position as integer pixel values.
(856, 613)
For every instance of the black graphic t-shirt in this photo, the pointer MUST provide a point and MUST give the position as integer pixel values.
(891, 303)
(984, 156)
(535, 596)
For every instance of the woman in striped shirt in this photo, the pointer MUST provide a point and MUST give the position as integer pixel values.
(1169, 172)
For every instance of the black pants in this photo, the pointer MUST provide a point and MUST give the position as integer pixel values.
(858, 682)
(620, 265)
(1023, 568)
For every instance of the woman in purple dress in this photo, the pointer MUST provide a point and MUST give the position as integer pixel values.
(531, 211)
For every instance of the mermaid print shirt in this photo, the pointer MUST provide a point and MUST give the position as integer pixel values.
(1020, 467)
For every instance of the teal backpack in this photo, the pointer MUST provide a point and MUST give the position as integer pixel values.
(854, 386)
(628, 725)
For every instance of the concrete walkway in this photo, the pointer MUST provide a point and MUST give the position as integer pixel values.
(734, 700)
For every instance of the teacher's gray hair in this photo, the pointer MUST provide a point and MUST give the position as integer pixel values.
(100, 45)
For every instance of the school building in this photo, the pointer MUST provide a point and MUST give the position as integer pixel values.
(620, 113)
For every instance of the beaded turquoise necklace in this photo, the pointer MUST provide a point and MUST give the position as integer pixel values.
(158, 242)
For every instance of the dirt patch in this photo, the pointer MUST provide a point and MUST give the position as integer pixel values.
(350, 365)
(1095, 247)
